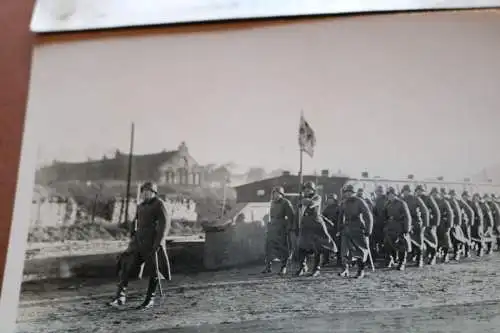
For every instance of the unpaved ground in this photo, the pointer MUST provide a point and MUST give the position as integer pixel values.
(462, 297)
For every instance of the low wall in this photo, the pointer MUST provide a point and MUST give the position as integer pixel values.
(239, 244)
(185, 257)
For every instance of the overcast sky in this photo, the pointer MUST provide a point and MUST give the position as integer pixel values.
(390, 94)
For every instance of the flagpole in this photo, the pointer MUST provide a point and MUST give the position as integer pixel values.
(299, 204)
(129, 172)
(224, 199)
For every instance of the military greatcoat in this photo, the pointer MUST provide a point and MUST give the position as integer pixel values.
(280, 225)
(314, 235)
(468, 218)
(489, 221)
(379, 219)
(152, 224)
(444, 228)
(398, 225)
(356, 221)
(457, 232)
(430, 233)
(495, 209)
(420, 219)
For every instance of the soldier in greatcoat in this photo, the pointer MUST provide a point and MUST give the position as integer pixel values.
(362, 195)
(458, 238)
(420, 220)
(477, 229)
(331, 216)
(357, 226)
(279, 230)
(377, 239)
(495, 206)
(444, 228)
(397, 229)
(313, 235)
(151, 225)
(489, 222)
(467, 220)
(430, 232)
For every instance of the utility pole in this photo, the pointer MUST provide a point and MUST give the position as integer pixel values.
(129, 172)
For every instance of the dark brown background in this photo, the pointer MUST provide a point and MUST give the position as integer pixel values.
(15, 57)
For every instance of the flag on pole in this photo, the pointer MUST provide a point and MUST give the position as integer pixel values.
(307, 138)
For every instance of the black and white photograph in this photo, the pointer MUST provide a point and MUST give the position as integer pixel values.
(336, 174)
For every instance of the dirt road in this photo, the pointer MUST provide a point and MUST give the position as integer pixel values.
(463, 297)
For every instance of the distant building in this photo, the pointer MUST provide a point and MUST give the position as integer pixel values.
(168, 167)
(260, 191)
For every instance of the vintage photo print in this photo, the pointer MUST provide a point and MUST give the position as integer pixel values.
(329, 175)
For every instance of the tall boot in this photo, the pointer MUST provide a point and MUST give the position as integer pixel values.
(420, 258)
(150, 294)
(446, 255)
(303, 264)
(339, 259)
(120, 297)
(268, 268)
(457, 249)
(480, 249)
(390, 259)
(433, 257)
(467, 250)
(402, 260)
(361, 269)
(489, 247)
(284, 265)
(345, 271)
(326, 258)
(317, 264)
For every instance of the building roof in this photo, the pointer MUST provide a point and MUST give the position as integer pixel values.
(143, 167)
(289, 179)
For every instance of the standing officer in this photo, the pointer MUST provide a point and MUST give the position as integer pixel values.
(152, 223)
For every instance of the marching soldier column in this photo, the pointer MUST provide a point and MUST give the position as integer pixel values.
(389, 225)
